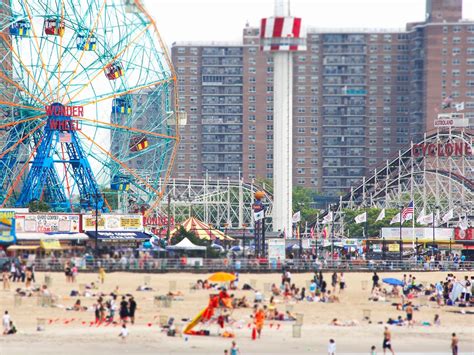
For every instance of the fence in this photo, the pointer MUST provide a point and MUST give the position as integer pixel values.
(248, 265)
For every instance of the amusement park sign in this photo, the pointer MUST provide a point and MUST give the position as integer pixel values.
(61, 111)
(446, 149)
(64, 114)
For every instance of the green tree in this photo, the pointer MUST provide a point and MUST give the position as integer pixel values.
(303, 201)
(38, 206)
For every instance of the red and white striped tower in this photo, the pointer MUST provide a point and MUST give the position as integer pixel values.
(282, 35)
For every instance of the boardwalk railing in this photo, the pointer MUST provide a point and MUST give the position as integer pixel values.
(246, 265)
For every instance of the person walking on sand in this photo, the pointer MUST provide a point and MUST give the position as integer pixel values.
(29, 278)
(372, 350)
(342, 282)
(234, 349)
(132, 307)
(334, 282)
(6, 278)
(101, 275)
(387, 341)
(332, 347)
(454, 344)
(375, 280)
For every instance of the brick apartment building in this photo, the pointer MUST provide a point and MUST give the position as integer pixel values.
(359, 96)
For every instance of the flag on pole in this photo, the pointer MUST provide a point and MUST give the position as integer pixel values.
(258, 216)
(395, 219)
(407, 212)
(296, 217)
(328, 218)
(361, 218)
(381, 215)
(424, 219)
(448, 216)
(447, 102)
(463, 223)
(325, 232)
(459, 106)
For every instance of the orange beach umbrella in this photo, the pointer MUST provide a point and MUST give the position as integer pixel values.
(222, 277)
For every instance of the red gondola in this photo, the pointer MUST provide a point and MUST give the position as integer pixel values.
(138, 143)
(113, 71)
(54, 27)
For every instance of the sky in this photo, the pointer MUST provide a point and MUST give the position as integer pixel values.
(223, 20)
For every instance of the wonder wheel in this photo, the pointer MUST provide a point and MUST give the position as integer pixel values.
(87, 108)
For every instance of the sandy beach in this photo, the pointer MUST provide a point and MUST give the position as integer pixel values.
(72, 333)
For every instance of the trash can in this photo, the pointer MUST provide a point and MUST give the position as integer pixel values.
(296, 331)
(17, 298)
(47, 280)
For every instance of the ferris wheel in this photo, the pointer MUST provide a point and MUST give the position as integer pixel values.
(87, 105)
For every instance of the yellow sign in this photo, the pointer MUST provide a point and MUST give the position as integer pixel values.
(50, 244)
(393, 247)
(113, 222)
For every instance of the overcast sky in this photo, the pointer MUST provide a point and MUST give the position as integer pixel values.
(223, 20)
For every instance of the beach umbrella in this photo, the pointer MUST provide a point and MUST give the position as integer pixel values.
(222, 277)
(392, 281)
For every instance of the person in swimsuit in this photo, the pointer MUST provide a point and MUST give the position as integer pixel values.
(387, 341)
(454, 344)
(409, 311)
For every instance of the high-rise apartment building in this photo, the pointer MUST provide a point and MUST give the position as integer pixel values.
(358, 97)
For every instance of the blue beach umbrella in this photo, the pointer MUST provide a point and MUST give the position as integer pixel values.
(393, 282)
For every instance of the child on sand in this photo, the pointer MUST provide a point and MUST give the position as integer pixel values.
(332, 347)
(259, 321)
(123, 332)
(234, 349)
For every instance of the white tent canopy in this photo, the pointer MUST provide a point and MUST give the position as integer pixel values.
(185, 244)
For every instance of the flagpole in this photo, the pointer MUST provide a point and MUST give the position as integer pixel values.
(317, 235)
(366, 227)
(400, 242)
(412, 199)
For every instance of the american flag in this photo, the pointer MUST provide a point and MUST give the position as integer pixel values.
(65, 137)
(407, 212)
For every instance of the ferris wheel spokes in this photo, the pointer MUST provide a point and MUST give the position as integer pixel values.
(25, 67)
(121, 163)
(35, 40)
(115, 58)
